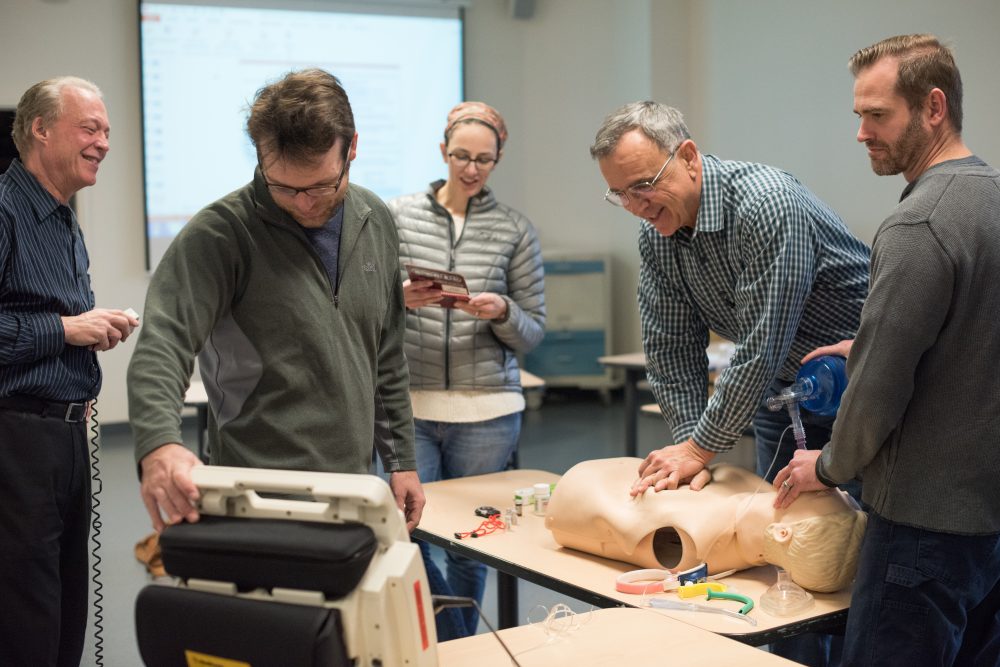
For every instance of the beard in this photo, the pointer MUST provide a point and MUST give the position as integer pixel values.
(318, 216)
(901, 155)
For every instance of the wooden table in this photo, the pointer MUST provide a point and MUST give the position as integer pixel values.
(529, 552)
(611, 637)
(531, 382)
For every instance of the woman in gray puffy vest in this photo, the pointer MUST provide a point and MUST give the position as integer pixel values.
(461, 348)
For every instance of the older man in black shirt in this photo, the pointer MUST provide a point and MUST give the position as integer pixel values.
(49, 333)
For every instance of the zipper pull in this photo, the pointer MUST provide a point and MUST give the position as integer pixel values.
(336, 301)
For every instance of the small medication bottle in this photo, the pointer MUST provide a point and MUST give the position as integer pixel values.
(523, 497)
(541, 498)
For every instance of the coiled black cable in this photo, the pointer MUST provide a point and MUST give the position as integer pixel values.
(95, 493)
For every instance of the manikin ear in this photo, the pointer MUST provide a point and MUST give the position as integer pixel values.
(780, 532)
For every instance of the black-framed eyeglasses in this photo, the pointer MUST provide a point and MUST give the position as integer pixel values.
(462, 161)
(638, 190)
(314, 192)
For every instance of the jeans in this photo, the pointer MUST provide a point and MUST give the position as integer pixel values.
(769, 428)
(924, 598)
(450, 450)
(449, 622)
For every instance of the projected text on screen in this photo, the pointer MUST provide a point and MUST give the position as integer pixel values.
(202, 65)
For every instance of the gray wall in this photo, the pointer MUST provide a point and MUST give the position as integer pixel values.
(763, 80)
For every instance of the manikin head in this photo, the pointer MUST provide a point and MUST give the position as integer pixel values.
(820, 553)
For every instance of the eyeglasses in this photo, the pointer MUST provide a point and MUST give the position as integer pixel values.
(639, 190)
(462, 161)
(314, 192)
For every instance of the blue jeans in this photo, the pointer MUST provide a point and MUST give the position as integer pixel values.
(769, 428)
(924, 598)
(450, 450)
(450, 622)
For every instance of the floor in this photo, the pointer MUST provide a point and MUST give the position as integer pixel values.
(570, 426)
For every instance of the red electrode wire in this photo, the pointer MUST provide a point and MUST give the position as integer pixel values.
(492, 524)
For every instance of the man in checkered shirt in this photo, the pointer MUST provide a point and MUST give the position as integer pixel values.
(738, 248)
(744, 250)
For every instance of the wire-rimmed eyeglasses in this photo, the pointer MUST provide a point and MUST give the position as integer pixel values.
(637, 190)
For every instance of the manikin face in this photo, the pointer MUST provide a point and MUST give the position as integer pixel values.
(895, 136)
(468, 143)
(673, 202)
(69, 151)
(331, 169)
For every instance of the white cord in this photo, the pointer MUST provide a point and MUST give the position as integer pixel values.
(763, 481)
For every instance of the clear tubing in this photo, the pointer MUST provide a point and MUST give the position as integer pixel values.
(797, 428)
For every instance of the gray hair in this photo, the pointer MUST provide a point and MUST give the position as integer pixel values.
(663, 125)
(44, 99)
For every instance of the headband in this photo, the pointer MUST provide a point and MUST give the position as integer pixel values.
(478, 111)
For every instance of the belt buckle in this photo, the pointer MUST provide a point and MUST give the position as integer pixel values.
(69, 412)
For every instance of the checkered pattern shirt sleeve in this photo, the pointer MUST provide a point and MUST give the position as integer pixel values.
(771, 268)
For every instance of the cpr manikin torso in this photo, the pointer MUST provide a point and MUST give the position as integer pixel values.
(724, 525)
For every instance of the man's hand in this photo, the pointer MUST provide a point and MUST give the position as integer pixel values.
(167, 488)
(99, 329)
(797, 477)
(841, 349)
(672, 466)
(409, 496)
(418, 294)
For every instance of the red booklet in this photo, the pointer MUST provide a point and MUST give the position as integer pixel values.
(451, 284)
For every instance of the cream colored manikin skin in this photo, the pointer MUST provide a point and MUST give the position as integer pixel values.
(725, 525)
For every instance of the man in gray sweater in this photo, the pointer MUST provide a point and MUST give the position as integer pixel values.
(920, 421)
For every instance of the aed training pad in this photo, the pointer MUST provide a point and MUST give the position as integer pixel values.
(269, 553)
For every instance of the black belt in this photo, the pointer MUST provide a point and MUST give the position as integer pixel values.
(68, 412)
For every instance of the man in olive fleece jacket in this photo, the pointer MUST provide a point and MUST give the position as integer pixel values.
(919, 420)
(287, 290)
